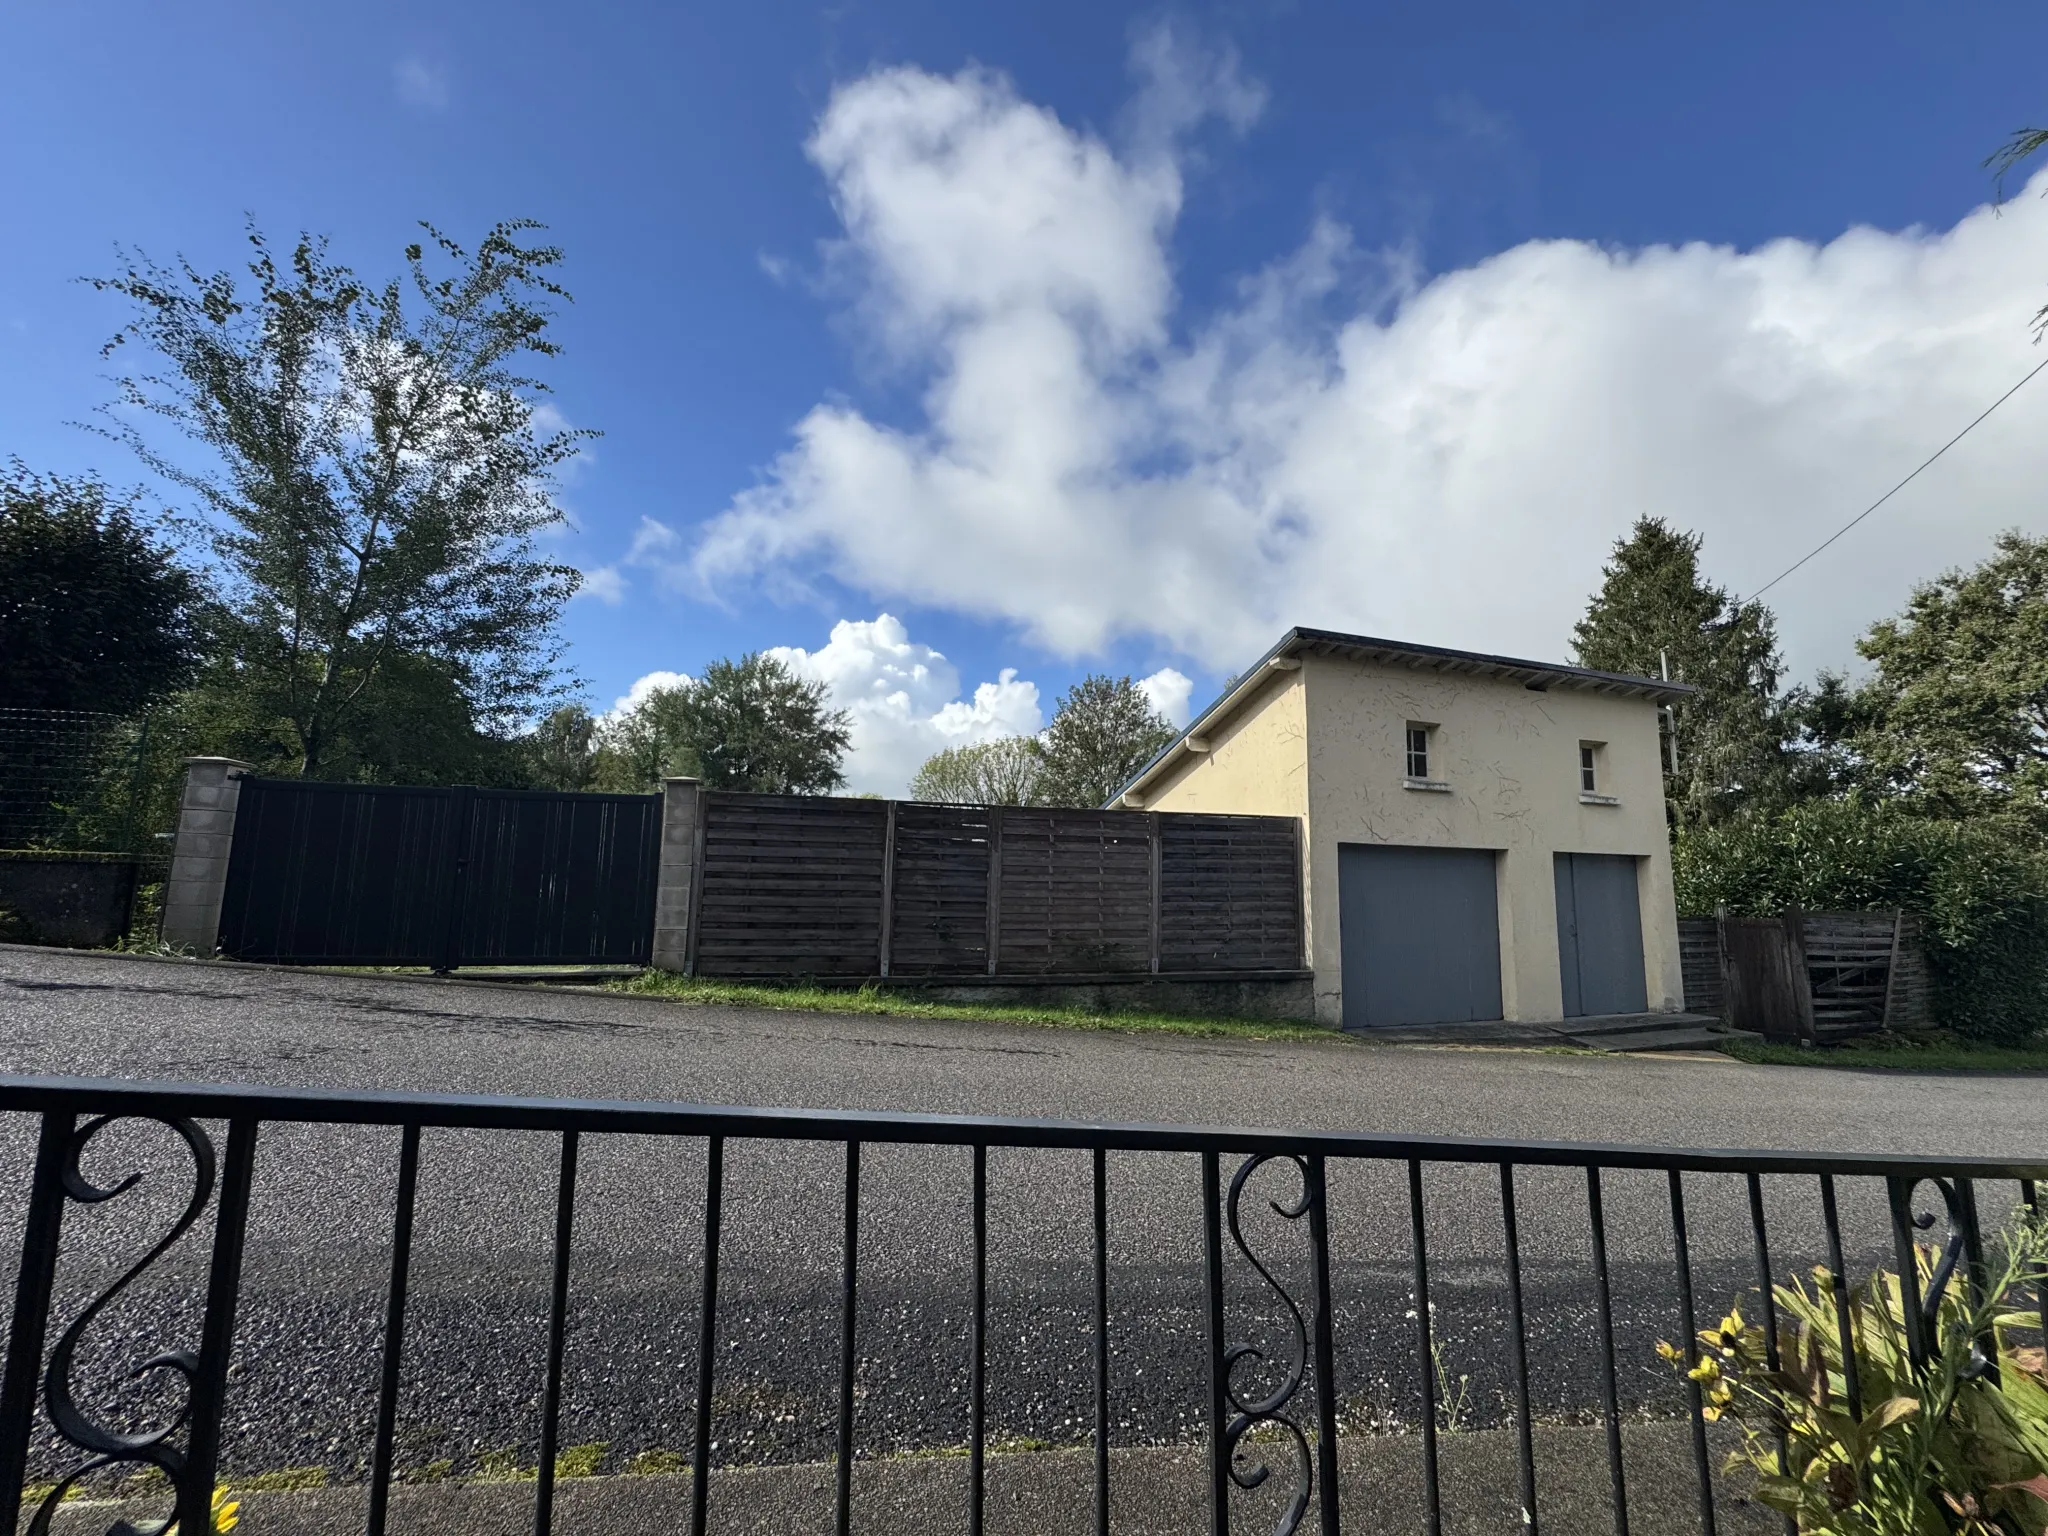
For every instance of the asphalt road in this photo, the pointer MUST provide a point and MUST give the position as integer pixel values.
(310, 1324)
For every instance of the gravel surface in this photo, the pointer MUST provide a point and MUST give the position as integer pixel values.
(310, 1324)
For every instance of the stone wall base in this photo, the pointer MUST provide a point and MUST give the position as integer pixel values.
(74, 901)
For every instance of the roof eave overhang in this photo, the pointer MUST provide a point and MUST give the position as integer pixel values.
(1296, 643)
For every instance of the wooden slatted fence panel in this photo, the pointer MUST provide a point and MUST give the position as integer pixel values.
(1699, 958)
(792, 886)
(1848, 967)
(940, 927)
(1075, 892)
(1229, 893)
(1912, 993)
(1861, 975)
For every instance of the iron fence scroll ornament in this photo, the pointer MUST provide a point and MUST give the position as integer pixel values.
(1960, 1242)
(1246, 1414)
(106, 1446)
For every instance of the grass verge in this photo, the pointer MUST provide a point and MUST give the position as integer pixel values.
(1932, 1052)
(908, 1004)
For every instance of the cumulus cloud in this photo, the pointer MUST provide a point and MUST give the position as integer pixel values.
(1168, 692)
(604, 583)
(1447, 462)
(636, 695)
(904, 699)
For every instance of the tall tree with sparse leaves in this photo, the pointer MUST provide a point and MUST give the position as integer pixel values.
(379, 471)
(1104, 731)
(1655, 606)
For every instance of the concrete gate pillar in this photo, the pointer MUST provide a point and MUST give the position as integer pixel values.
(675, 885)
(199, 857)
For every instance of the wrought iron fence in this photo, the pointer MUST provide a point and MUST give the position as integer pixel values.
(1270, 1415)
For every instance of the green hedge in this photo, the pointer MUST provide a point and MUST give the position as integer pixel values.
(1982, 885)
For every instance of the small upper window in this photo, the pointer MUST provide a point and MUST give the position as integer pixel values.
(1589, 778)
(1418, 751)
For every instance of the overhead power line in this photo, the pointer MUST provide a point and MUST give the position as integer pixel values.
(1888, 495)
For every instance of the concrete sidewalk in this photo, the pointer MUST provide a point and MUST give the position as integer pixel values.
(1155, 1492)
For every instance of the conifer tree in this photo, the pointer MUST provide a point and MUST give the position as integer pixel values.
(1656, 609)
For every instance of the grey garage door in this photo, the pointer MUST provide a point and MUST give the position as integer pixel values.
(1420, 934)
(1599, 934)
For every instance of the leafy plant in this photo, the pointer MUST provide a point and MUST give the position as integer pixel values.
(226, 1513)
(1958, 1444)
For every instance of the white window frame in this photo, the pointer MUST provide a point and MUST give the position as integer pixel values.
(1410, 779)
(1593, 773)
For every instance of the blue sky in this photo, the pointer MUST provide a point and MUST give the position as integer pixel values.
(1078, 336)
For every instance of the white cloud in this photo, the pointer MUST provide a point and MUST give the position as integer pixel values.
(604, 583)
(904, 699)
(1168, 691)
(420, 84)
(1448, 461)
(636, 695)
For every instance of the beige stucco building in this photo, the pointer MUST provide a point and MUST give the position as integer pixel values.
(1484, 838)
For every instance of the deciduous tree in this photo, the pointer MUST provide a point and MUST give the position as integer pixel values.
(750, 724)
(376, 469)
(96, 613)
(1104, 731)
(1955, 715)
(1001, 772)
(562, 749)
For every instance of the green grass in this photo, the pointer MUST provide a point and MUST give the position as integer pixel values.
(286, 1480)
(1933, 1052)
(909, 1004)
(657, 1463)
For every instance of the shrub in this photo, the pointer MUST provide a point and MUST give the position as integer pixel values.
(1982, 885)
(1954, 1446)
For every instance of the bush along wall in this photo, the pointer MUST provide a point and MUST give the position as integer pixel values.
(1981, 884)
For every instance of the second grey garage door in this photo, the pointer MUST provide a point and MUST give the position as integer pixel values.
(1420, 935)
(1599, 935)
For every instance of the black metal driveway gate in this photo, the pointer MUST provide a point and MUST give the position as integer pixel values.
(358, 874)
(1250, 1423)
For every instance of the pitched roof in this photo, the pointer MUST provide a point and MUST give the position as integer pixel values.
(1538, 676)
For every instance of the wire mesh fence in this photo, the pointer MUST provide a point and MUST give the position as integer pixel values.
(72, 781)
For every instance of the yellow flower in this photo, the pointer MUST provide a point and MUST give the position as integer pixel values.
(227, 1512)
(1670, 1351)
(1706, 1373)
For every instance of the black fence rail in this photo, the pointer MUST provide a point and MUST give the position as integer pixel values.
(1270, 1424)
(814, 886)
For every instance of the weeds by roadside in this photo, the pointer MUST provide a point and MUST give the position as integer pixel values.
(1929, 1052)
(903, 1004)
